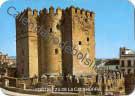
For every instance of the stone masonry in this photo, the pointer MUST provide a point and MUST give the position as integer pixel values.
(55, 43)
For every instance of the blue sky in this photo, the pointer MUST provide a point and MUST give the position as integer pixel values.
(114, 23)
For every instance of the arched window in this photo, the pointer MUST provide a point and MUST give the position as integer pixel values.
(129, 63)
(122, 63)
(56, 51)
(88, 39)
(50, 30)
(80, 43)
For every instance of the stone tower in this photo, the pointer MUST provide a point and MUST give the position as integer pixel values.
(78, 31)
(50, 59)
(27, 44)
(54, 43)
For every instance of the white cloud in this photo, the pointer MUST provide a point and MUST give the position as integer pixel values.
(2, 1)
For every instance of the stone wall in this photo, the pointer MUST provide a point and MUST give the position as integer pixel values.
(50, 59)
(46, 42)
(27, 44)
(129, 83)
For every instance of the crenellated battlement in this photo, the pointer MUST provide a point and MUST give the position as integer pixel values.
(42, 31)
(71, 10)
(51, 11)
(78, 11)
(27, 12)
(58, 11)
(35, 12)
(31, 12)
(43, 12)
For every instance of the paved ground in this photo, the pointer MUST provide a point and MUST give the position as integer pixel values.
(9, 93)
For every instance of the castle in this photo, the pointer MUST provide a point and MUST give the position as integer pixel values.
(55, 43)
